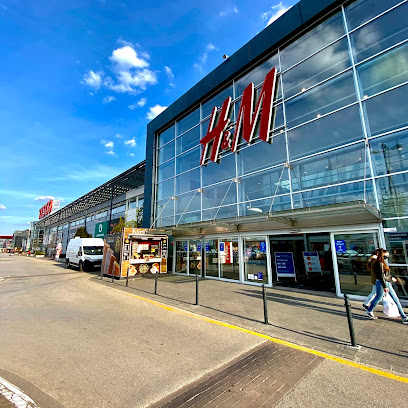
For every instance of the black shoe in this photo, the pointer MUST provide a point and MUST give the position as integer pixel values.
(365, 306)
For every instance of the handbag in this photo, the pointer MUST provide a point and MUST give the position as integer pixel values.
(390, 308)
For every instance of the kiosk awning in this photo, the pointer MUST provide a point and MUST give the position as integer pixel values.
(354, 212)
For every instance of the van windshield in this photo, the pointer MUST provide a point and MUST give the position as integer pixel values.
(93, 250)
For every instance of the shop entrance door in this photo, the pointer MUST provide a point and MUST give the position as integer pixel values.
(188, 257)
(352, 251)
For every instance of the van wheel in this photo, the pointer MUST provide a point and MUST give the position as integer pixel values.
(81, 267)
(68, 264)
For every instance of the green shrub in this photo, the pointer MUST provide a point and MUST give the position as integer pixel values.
(39, 253)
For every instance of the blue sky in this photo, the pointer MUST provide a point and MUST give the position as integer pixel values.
(80, 80)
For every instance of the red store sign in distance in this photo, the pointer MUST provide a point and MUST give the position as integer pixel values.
(246, 121)
(45, 209)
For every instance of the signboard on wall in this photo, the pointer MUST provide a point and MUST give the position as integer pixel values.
(312, 262)
(285, 266)
(45, 209)
(101, 229)
(340, 245)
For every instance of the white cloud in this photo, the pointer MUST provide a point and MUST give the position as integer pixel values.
(129, 72)
(228, 11)
(140, 103)
(127, 57)
(210, 47)
(93, 79)
(132, 154)
(119, 136)
(170, 75)
(41, 198)
(109, 146)
(274, 13)
(109, 99)
(203, 57)
(130, 143)
(154, 111)
(3, 207)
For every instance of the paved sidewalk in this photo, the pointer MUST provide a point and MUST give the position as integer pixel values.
(312, 319)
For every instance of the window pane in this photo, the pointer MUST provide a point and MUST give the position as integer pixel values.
(325, 133)
(321, 100)
(188, 122)
(220, 194)
(164, 222)
(188, 202)
(265, 184)
(321, 66)
(255, 268)
(386, 71)
(187, 218)
(394, 195)
(165, 208)
(380, 34)
(330, 168)
(188, 181)
(224, 212)
(266, 205)
(140, 202)
(217, 100)
(188, 161)
(166, 152)
(166, 136)
(256, 75)
(216, 172)
(360, 12)
(390, 153)
(334, 195)
(165, 189)
(388, 111)
(165, 171)
(312, 42)
(188, 140)
(262, 155)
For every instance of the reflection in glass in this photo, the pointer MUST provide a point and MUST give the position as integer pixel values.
(188, 161)
(220, 194)
(261, 155)
(265, 184)
(211, 257)
(390, 153)
(229, 258)
(326, 133)
(330, 168)
(387, 30)
(188, 202)
(188, 181)
(166, 152)
(166, 136)
(188, 121)
(214, 172)
(217, 100)
(181, 256)
(394, 195)
(359, 12)
(321, 66)
(187, 218)
(230, 211)
(165, 189)
(313, 41)
(255, 267)
(386, 71)
(188, 140)
(165, 208)
(165, 171)
(396, 114)
(165, 222)
(194, 257)
(323, 99)
(266, 205)
(352, 261)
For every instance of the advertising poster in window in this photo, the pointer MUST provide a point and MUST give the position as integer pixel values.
(312, 262)
(285, 266)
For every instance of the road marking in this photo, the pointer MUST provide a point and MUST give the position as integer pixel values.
(277, 341)
(15, 395)
(1, 279)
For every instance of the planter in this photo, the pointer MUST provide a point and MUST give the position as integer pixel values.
(39, 256)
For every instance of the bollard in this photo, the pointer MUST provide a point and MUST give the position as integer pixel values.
(127, 277)
(350, 321)
(155, 283)
(113, 275)
(101, 273)
(196, 289)
(265, 304)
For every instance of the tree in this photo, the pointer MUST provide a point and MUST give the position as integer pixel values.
(81, 232)
(118, 228)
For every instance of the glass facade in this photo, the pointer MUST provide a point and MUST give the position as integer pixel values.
(340, 133)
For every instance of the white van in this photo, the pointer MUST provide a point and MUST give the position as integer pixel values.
(85, 253)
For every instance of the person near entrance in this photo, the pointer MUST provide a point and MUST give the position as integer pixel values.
(370, 264)
(383, 284)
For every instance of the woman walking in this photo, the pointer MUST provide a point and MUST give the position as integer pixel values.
(383, 284)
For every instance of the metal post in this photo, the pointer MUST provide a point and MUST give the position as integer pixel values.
(127, 277)
(350, 321)
(113, 274)
(196, 289)
(101, 273)
(155, 283)
(265, 304)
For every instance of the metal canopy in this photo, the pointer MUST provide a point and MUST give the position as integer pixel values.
(354, 212)
(124, 182)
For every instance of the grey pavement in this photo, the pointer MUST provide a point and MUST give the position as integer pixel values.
(71, 340)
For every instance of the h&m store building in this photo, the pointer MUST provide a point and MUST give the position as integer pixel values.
(288, 164)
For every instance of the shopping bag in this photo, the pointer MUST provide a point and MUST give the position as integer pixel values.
(390, 308)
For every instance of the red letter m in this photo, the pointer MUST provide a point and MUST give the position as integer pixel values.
(247, 120)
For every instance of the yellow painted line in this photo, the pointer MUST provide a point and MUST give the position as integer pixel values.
(278, 341)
